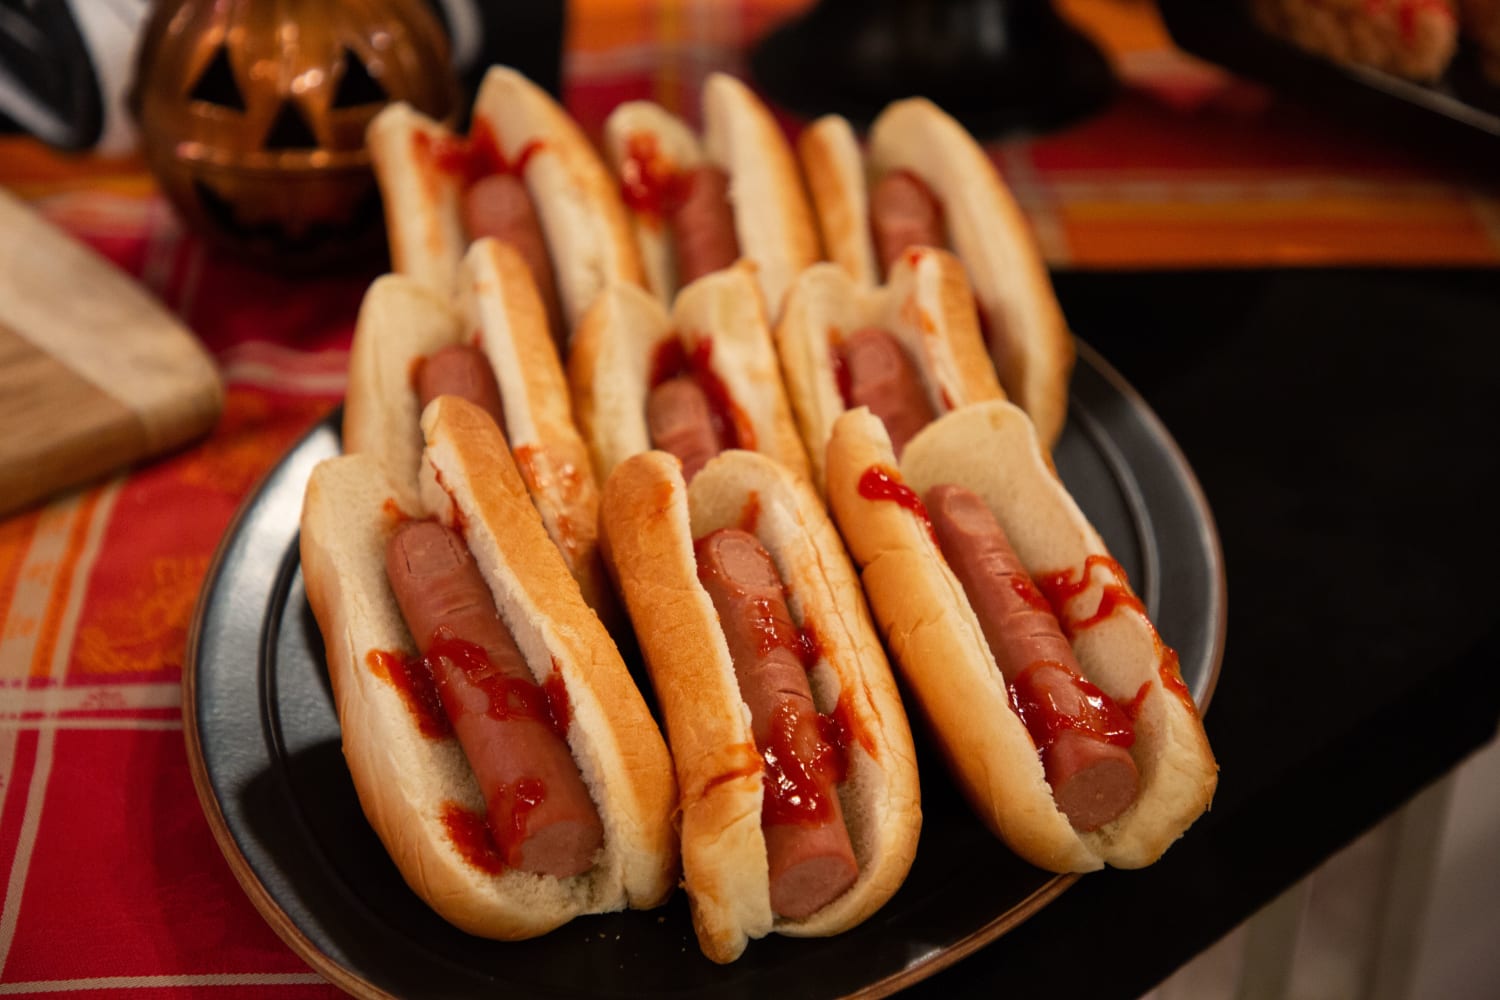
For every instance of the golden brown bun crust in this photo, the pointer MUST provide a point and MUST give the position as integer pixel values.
(834, 168)
(588, 233)
(499, 302)
(1028, 336)
(926, 305)
(937, 641)
(610, 365)
(406, 781)
(650, 520)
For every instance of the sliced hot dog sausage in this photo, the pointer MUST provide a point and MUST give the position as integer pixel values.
(703, 225)
(883, 377)
(903, 213)
(1082, 734)
(807, 844)
(499, 206)
(680, 422)
(461, 370)
(538, 807)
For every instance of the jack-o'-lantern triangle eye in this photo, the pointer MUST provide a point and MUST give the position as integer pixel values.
(357, 86)
(290, 130)
(217, 85)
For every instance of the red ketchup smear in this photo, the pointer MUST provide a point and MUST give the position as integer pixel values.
(527, 794)
(1100, 717)
(840, 369)
(650, 183)
(564, 479)
(510, 697)
(792, 792)
(559, 711)
(471, 835)
(1061, 587)
(672, 359)
(459, 526)
(881, 483)
(393, 512)
(476, 157)
(412, 678)
(750, 513)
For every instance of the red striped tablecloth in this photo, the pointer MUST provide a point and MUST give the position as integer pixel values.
(110, 878)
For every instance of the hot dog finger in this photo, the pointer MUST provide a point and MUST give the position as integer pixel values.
(642, 378)
(460, 370)
(808, 850)
(910, 350)
(499, 207)
(703, 225)
(1082, 735)
(539, 810)
(1073, 739)
(681, 423)
(799, 809)
(882, 376)
(903, 213)
(735, 194)
(473, 807)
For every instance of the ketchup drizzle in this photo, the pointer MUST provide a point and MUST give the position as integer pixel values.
(478, 156)
(411, 676)
(1061, 587)
(1098, 715)
(792, 791)
(650, 183)
(671, 359)
(879, 482)
(559, 711)
(470, 834)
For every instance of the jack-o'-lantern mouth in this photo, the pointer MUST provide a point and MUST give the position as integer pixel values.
(290, 231)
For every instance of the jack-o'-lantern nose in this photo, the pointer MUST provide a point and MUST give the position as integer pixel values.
(290, 129)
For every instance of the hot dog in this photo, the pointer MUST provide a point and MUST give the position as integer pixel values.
(800, 808)
(539, 810)
(696, 382)
(491, 346)
(909, 349)
(697, 207)
(1031, 727)
(932, 183)
(1086, 757)
(526, 174)
(545, 854)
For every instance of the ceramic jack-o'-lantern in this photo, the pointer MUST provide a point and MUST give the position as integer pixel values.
(253, 116)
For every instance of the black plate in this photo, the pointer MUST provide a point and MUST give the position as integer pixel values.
(263, 742)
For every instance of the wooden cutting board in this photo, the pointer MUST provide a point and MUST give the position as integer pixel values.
(94, 373)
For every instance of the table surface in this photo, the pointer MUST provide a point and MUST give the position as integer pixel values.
(1340, 418)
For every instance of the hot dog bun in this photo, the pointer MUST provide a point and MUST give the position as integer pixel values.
(650, 520)
(401, 323)
(773, 221)
(938, 645)
(1028, 337)
(587, 232)
(611, 366)
(404, 779)
(926, 305)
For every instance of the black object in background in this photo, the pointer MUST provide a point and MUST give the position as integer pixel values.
(1460, 113)
(526, 36)
(995, 65)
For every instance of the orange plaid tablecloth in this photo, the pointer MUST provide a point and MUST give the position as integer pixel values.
(110, 878)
